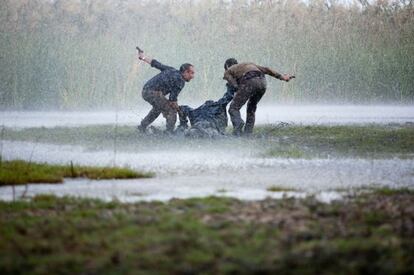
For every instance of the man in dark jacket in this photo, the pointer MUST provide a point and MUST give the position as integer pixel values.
(250, 82)
(168, 82)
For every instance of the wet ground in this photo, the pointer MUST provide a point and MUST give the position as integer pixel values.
(266, 114)
(197, 169)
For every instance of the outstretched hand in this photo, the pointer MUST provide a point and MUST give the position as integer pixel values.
(287, 77)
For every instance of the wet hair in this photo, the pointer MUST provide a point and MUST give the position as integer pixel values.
(230, 62)
(185, 67)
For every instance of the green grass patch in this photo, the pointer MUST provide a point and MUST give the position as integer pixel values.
(290, 151)
(48, 235)
(383, 191)
(387, 191)
(376, 141)
(19, 172)
(275, 188)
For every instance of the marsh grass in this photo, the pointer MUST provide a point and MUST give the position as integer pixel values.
(19, 172)
(388, 191)
(47, 235)
(275, 188)
(375, 141)
(286, 151)
(127, 138)
(292, 141)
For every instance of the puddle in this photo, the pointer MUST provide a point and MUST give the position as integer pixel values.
(202, 172)
(222, 169)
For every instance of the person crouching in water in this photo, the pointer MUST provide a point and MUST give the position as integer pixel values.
(250, 82)
(168, 81)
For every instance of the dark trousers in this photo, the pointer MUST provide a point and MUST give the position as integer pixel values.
(250, 91)
(160, 105)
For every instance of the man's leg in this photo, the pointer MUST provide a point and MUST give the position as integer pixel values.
(151, 98)
(152, 115)
(259, 88)
(168, 112)
(240, 98)
(171, 117)
(183, 116)
(251, 112)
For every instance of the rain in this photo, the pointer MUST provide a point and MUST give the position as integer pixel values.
(74, 64)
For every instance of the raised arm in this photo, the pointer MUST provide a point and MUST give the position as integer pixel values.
(275, 74)
(154, 63)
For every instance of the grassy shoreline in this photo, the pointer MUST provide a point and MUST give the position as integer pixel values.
(373, 141)
(18, 172)
(370, 233)
(291, 141)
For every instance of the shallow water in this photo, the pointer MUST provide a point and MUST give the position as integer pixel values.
(266, 114)
(238, 172)
(196, 169)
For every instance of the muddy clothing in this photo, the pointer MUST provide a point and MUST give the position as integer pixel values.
(250, 81)
(208, 120)
(169, 81)
(251, 92)
(160, 105)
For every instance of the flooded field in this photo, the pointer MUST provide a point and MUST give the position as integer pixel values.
(266, 114)
(249, 168)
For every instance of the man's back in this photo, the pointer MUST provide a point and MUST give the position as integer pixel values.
(238, 70)
(168, 81)
(235, 73)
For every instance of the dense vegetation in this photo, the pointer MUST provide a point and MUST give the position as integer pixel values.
(81, 54)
